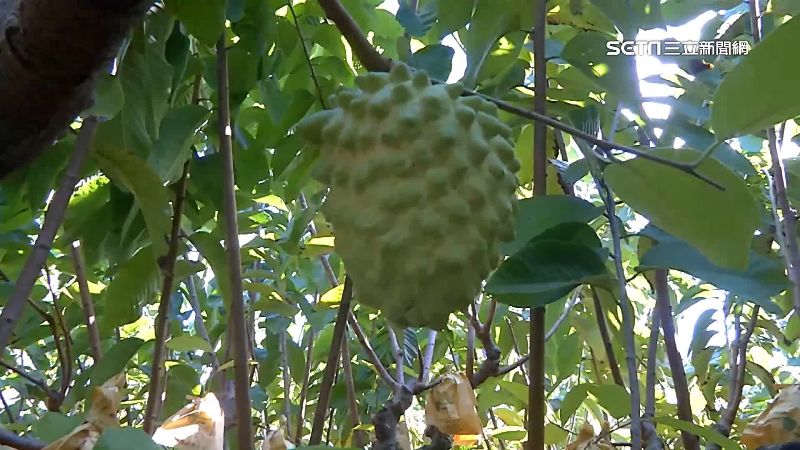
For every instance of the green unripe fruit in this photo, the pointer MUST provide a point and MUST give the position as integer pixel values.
(422, 191)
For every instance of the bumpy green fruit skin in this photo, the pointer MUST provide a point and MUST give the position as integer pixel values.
(422, 186)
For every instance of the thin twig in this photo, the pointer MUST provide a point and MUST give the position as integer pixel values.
(359, 438)
(573, 300)
(7, 409)
(399, 358)
(287, 378)
(628, 318)
(304, 388)
(86, 302)
(199, 324)
(690, 441)
(157, 371)
(320, 95)
(371, 355)
(15, 305)
(329, 375)
(427, 359)
(38, 383)
(232, 249)
(605, 336)
(791, 251)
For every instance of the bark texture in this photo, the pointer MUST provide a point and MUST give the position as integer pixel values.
(50, 53)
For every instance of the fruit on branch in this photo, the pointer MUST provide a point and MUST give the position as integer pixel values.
(422, 191)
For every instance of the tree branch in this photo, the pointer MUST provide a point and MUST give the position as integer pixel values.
(365, 52)
(328, 378)
(12, 311)
(399, 357)
(727, 418)
(373, 357)
(427, 359)
(86, 302)
(304, 388)
(359, 437)
(52, 52)
(602, 326)
(241, 355)
(19, 442)
(199, 324)
(690, 441)
(157, 371)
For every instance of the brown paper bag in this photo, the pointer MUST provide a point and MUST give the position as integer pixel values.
(200, 425)
(450, 406)
(779, 423)
(275, 440)
(102, 413)
(586, 439)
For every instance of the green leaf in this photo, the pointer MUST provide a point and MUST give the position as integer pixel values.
(588, 53)
(554, 435)
(538, 214)
(763, 278)
(544, 271)
(125, 438)
(108, 96)
(181, 381)
(128, 170)
(205, 22)
(436, 60)
(572, 401)
(115, 360)
(719, 223)
(613, 398)
(135, 283)
(708, 433)
(188, 343)
(175, 137)
(52, 425)
(762, 89)
(210, 247)
(510, 433)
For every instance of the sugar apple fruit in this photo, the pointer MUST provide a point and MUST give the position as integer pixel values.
(422, 191)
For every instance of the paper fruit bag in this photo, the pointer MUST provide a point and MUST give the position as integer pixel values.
(779, 423)
(102, 413)
(586, 439)
(200, 425)
(450, 406)
(275, 440)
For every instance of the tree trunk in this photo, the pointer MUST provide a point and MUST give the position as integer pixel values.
(50, 52)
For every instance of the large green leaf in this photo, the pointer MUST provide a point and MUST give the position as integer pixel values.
(211, 248)
(181, 381)
(538, 214)
(544, 271)
(588, 53)
(204, 21)
(188, 343)
(135, 283)
(763, 278)
(115, 360)
(131, 172)
(762, 90)
(613, 398)
(718, 222)
(175, 137)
